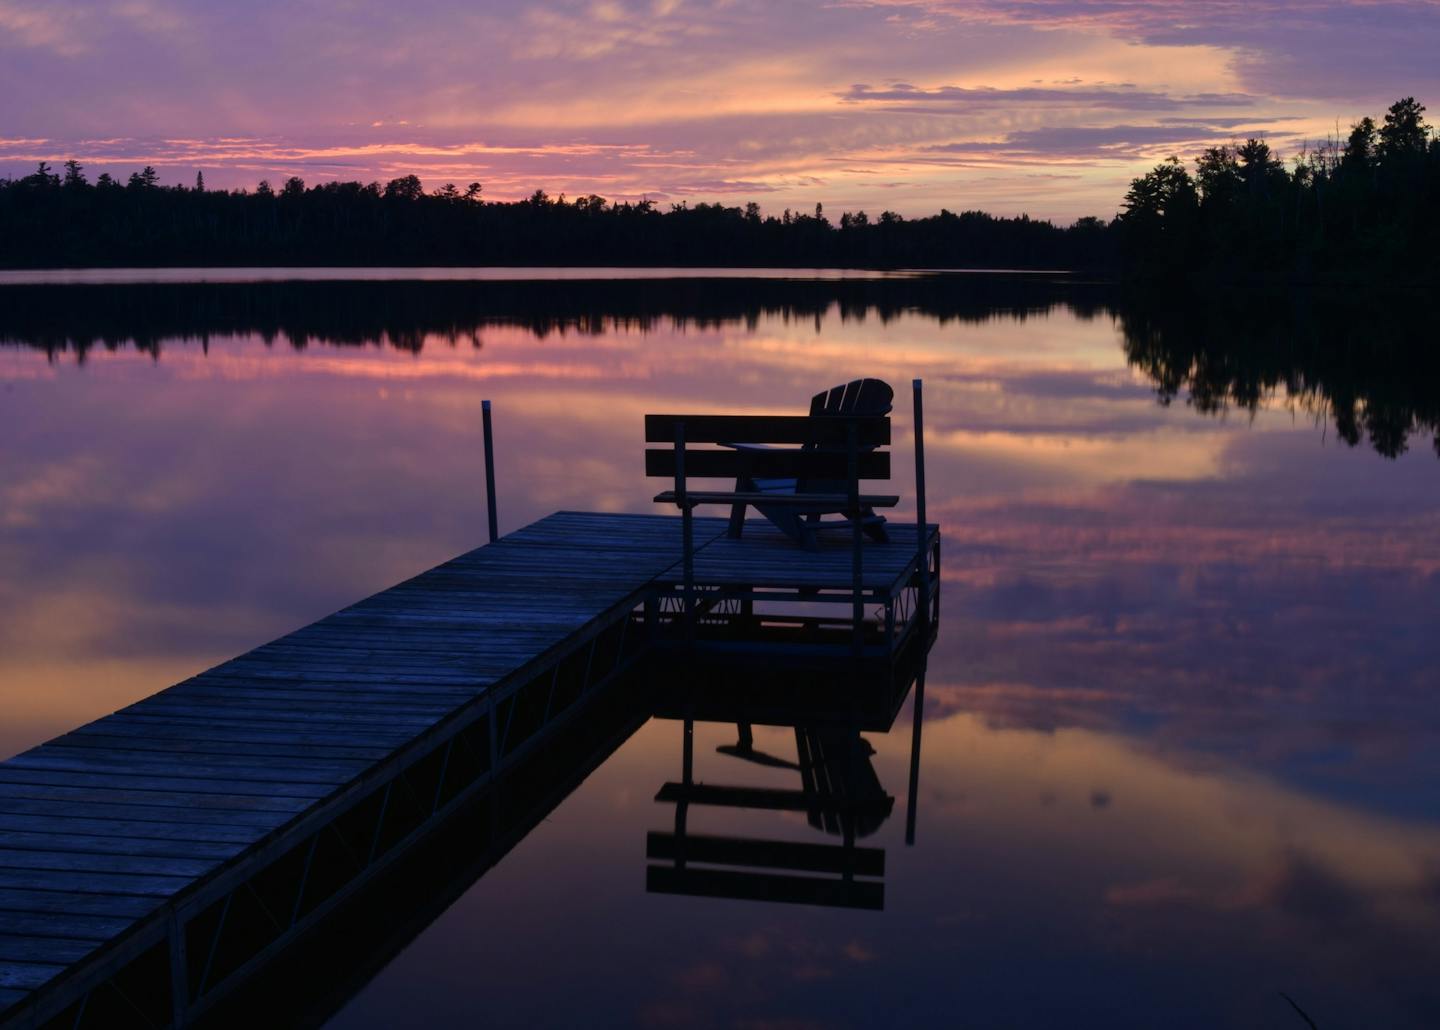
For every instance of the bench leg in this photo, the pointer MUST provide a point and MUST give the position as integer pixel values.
(809, 538)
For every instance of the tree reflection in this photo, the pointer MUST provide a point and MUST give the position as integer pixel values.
(1361, 362)
(1365, 363)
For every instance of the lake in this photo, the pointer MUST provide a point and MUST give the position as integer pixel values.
(1181, 738)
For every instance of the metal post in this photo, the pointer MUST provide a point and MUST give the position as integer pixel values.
(922, 529)
(919, 718)
(179, 973)
(687, 777)
(489, 472)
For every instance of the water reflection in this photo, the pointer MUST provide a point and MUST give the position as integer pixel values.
(831, 780)
(1182, 748)
(1363, 362)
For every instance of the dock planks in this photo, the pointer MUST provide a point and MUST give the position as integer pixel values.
(109, 828)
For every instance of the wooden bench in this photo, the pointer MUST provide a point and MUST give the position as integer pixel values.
(831, 458)
(839, 451)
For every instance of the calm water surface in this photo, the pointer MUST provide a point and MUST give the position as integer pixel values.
(1182, 732)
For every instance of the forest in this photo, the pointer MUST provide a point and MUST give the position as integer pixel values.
(1363, 208)
(52, 219)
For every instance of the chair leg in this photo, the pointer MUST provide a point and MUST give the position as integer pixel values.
(876, 531)
(737, 511)
(737, 521)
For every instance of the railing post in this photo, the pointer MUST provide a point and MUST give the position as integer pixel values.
(687, 533)
(857, 574)
(489, 472)
(922, 529)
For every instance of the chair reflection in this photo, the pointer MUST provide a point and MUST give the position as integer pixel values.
(839, 792)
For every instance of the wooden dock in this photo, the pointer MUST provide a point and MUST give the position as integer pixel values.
(154, 859)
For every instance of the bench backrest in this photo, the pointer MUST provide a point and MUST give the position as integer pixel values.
(852, 415)
(832, 447)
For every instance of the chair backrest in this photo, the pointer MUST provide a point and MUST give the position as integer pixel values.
(857, 397)
(835, 448)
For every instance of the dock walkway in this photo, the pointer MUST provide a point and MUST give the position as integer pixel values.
(154, 858)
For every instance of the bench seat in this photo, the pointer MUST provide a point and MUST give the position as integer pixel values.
(821, 503)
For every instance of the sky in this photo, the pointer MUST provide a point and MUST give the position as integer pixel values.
(1044, 107)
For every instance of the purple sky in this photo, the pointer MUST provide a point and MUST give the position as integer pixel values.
(1039, 106)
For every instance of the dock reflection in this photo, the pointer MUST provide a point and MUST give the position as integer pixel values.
(831, 780)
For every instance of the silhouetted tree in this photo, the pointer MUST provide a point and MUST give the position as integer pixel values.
(145, 179)
(1359, 154)
(407, 187)
(1404, 135)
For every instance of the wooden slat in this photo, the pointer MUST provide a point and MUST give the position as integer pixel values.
(820, 504)
(61, 826)
(156, 797)
(103, 862)
(189, 765)
(139, 884)
(770, 887)
(768, 854)
(777, 464)
(150, 745)
(75, 903)
(870, 430)
(114, 844)
(233, 790)
(56, 924)
(16, 947)
(763, 798)
(26, 976)
(89, 807)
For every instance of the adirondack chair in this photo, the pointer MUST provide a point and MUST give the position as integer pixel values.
(857, 397)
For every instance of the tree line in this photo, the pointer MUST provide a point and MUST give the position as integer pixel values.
(61, 219)
(1365, 208)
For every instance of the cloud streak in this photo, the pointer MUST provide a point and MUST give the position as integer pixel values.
(907, 104)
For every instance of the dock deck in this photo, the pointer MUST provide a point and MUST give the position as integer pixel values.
(152, 859)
